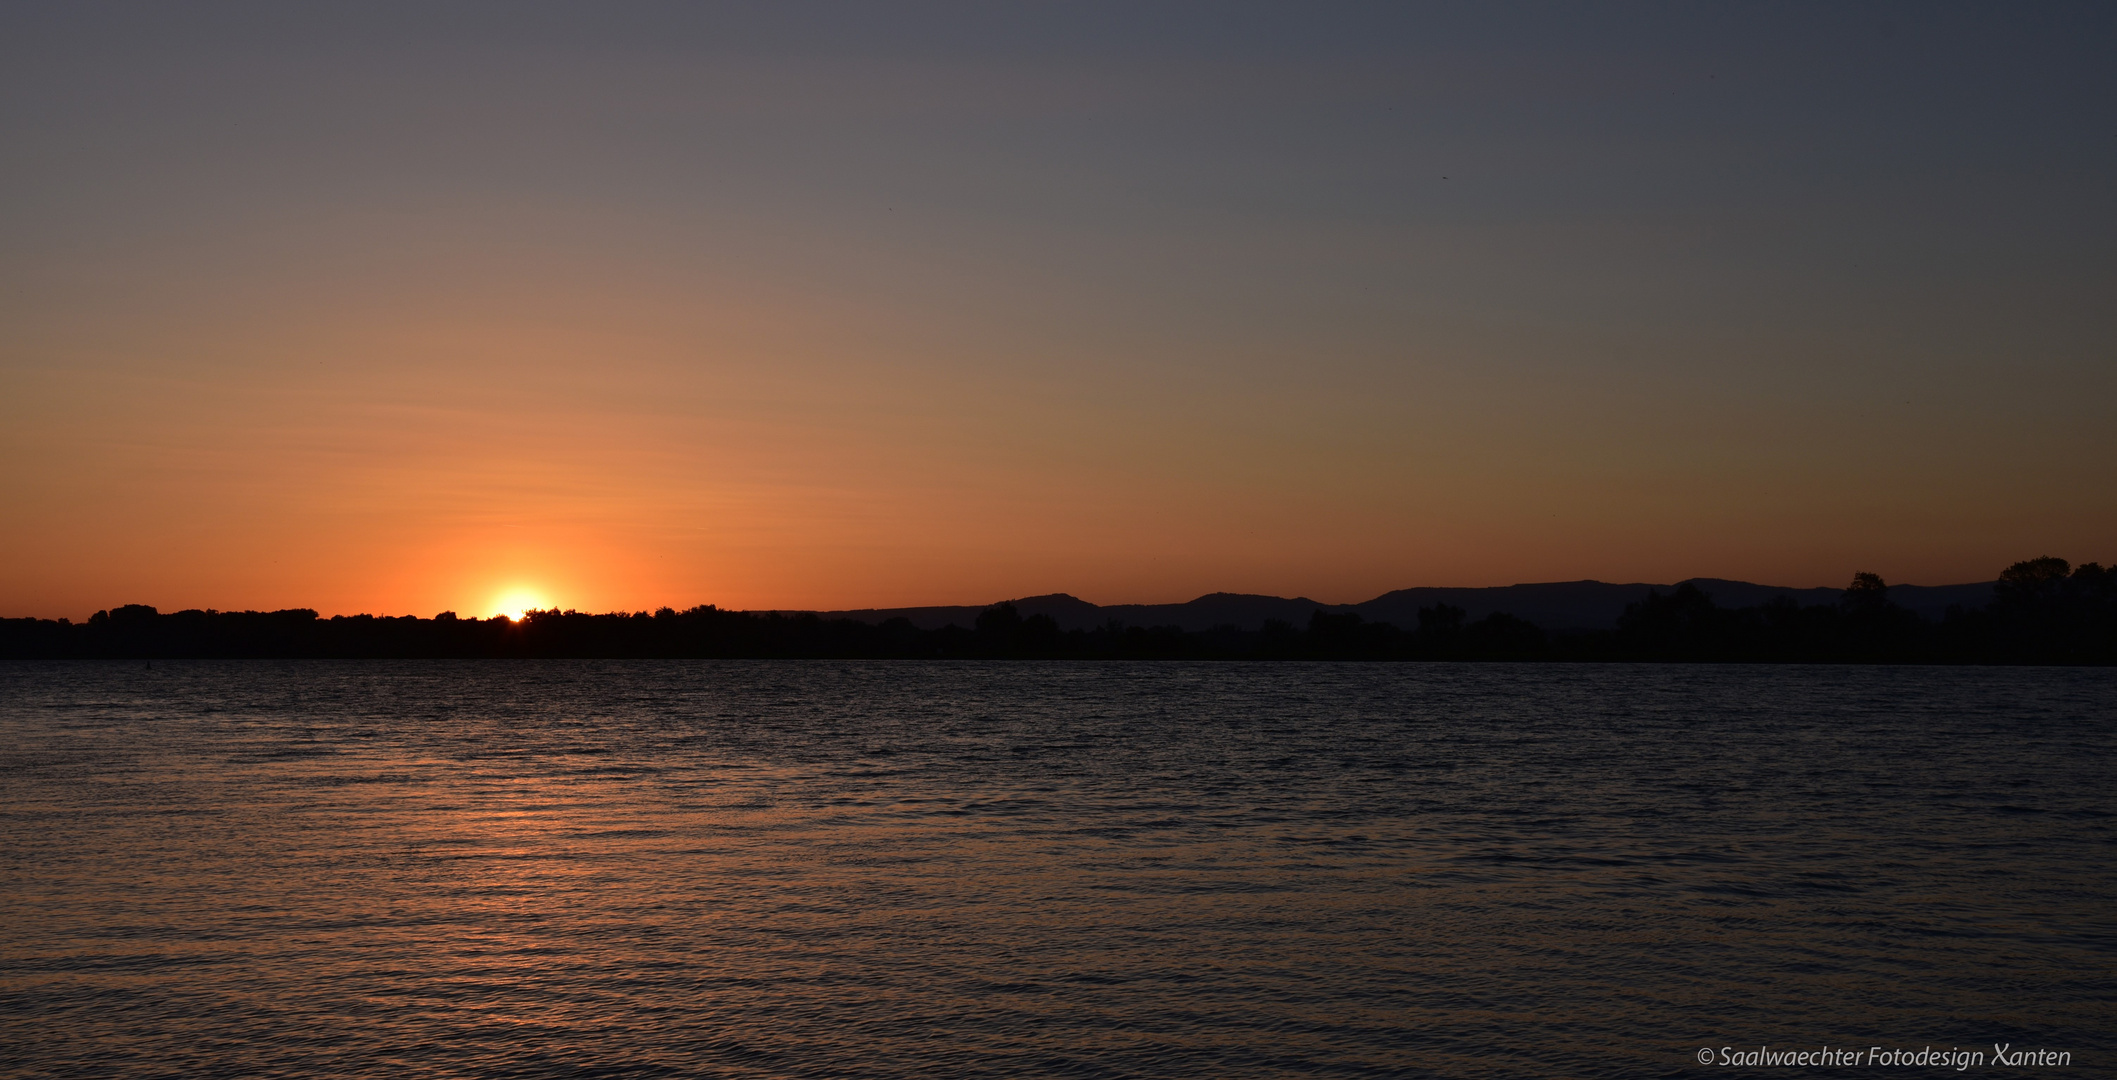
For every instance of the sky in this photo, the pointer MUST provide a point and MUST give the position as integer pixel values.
(400, 308)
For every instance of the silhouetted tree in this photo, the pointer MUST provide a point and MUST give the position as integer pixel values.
(1000, 622)
(1003, 631)
(1685, 625)
(1346, 636)
(1441, 620)
(1867, 592)
(2043, 610)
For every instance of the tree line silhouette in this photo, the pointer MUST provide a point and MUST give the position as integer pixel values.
(2043, 611)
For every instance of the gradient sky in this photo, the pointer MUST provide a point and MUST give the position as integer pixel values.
(399, 308)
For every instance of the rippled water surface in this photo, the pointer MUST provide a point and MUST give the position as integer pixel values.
(556, 868)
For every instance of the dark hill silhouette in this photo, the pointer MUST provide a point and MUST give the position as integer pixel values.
(1242, 610)
(1556, 606)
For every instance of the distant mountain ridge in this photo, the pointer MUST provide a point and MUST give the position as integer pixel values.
(1555, 605)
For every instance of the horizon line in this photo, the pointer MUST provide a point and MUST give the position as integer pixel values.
(847, 611)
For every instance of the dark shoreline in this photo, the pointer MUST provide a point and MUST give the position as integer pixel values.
(2043, 611)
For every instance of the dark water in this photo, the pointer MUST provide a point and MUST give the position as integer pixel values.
(398, 869)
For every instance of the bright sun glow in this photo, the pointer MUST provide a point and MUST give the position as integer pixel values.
(515, 602)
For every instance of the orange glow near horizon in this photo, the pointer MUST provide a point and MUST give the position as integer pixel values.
(412, 489)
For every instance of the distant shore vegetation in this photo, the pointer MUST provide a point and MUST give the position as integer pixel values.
(2043, 611)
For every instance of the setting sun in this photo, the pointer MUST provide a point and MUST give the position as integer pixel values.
(516, 602)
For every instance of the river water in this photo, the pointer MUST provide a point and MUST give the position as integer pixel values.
(889, 869)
